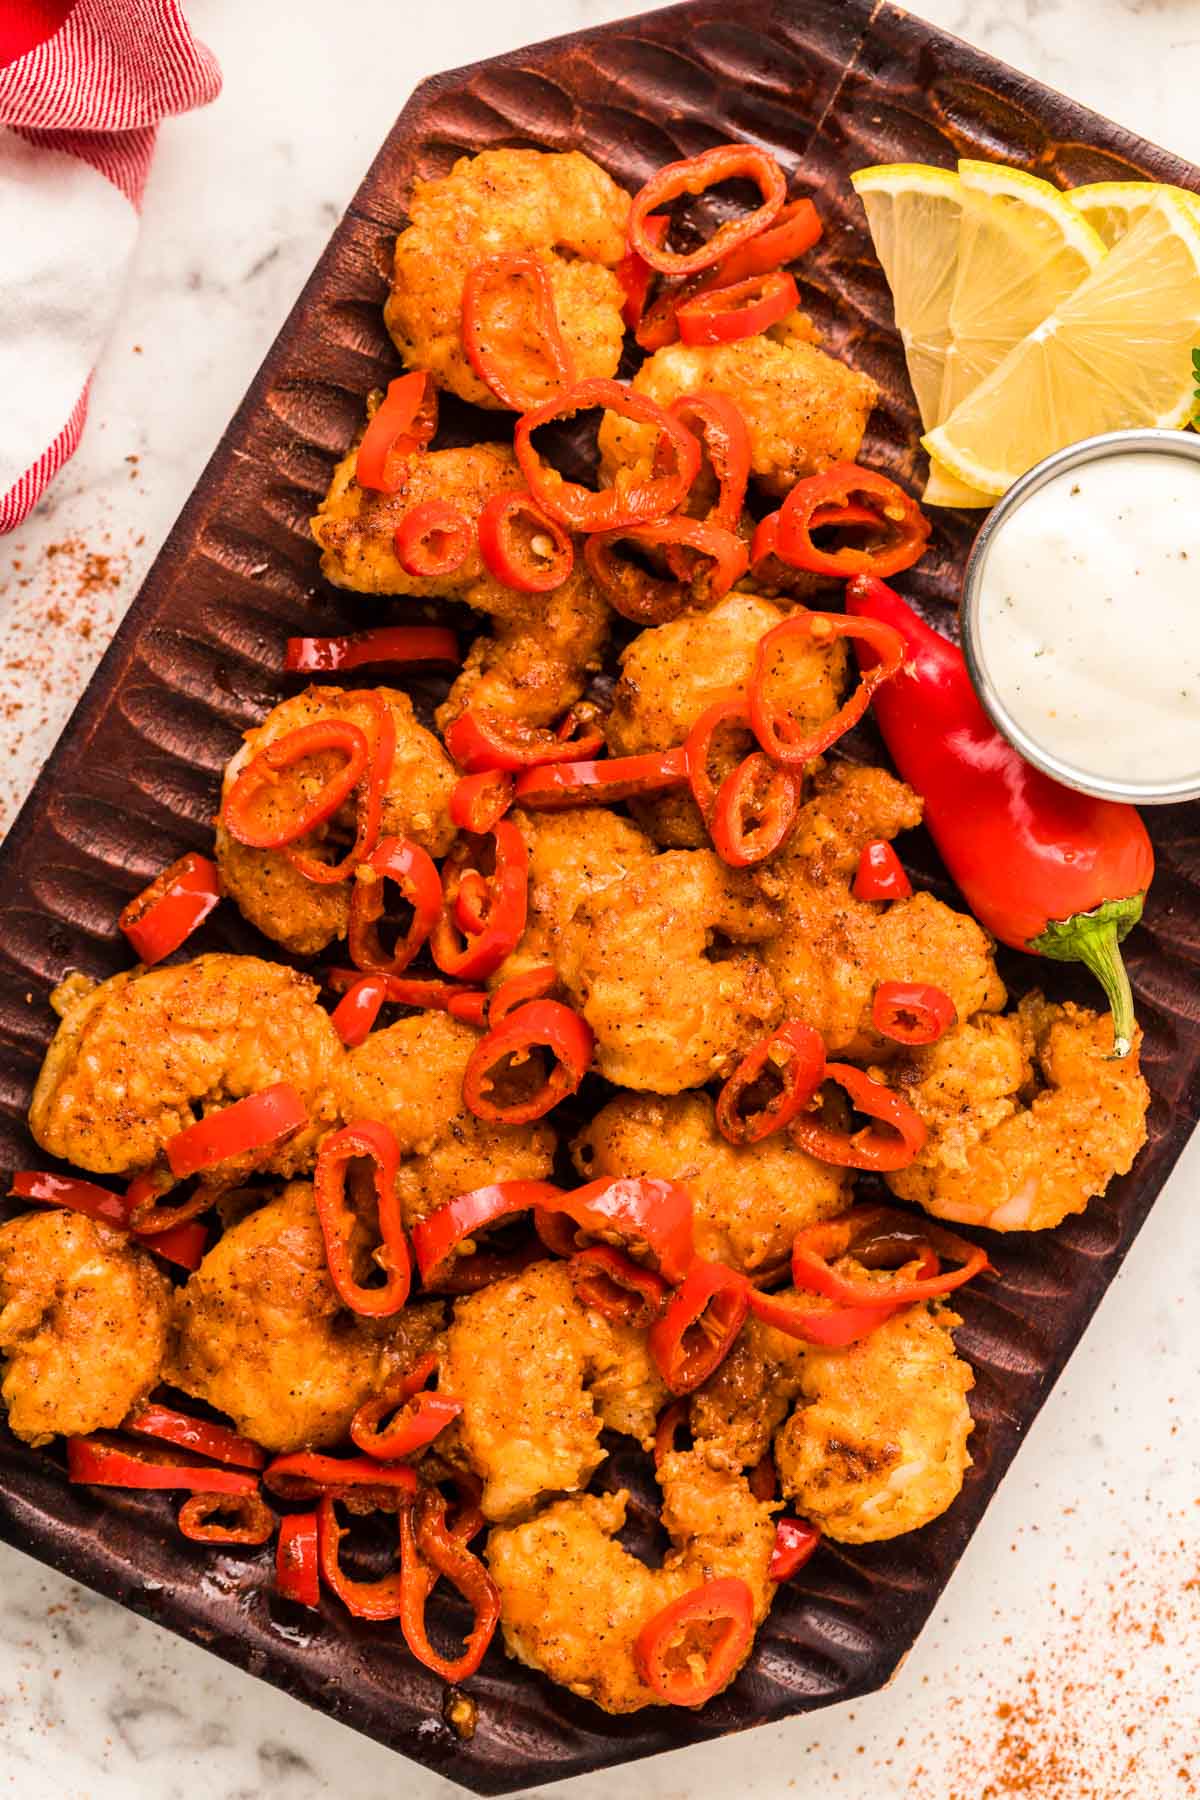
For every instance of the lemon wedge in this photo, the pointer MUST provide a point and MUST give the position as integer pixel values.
(1113, 207)
(1116, 353)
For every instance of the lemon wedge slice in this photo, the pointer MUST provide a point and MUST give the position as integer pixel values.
(1116, 353)
(1113, 207)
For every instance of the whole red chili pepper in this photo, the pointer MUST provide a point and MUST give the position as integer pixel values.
(1043, 868)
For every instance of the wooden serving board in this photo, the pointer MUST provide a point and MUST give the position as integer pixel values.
(828, 85)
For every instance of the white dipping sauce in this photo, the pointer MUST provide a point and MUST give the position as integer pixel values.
(1089, 617)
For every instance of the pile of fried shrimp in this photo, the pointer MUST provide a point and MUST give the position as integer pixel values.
(355, 1230)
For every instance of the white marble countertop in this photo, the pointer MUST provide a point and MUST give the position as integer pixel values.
(1062, 1663)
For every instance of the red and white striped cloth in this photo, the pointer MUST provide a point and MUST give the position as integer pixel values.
(83, 86)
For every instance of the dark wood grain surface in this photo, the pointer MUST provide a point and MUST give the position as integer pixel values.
(829, 86)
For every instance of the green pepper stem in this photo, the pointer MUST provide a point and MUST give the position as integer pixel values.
(1094, 939)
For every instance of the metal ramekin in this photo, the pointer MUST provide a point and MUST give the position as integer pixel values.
(1111, 443)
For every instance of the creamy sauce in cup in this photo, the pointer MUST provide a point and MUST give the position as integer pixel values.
(1088, 617)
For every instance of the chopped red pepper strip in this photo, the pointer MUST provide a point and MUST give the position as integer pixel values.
(785, 741)
(262, 772)
(537, 1022)
(496, 333)
(721, 429)
(297, 1564)
(522, 546)
(613, 1284)
(667, 1429)
(175, 904)
(699, 1327)
(478, 802)
(793, 1058)
(879, 875)
(745, 309)
(842, 485)
(867, 1231)
(77, 1195)
(475, 955)
(402, 424)
(869, 1148)
(429, 1548)
(433, 539)
(385, 644)
(481, 740)
(648, 1215)
(534, 984)
(635, 274)
(795, 1542)
(615, 508)
(198, 1435)
(204, 1519)
(340, 1225)
(307, 1475)
(732, 712)
(258, 1123)
(912, 1012)
(693, 176)
(719, 1618)
(419, 1418)
(414, 873)
(102, 1461)
(377, 1600)
(717, 559)
(183, 1244)
(755, 809)
(796, 229)
(441, 1237)
(353, 1018)
(600, 783)
(372, 792)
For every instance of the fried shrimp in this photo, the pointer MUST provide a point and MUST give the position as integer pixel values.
(573, 1600)
(832, 949)
(1029, 1116)
(409, 1078)
(673, 673)
(304, 916)
(749, 1202)
(803, 409)
(539, 1376)
(563, 208)
(737, 1412)
(262, 1335)
(574, 857)
(84, 1316)
(672, 1004)
(139, 1057)
(878, 1442)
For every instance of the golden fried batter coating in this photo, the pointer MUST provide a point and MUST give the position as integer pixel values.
(84, 1316)
(666, 1017)
(304, 916)
(803, 409)
(139, 1057)
(675, 672)
(409, 1078)
(734, 1416)
(573, 857)
(832, 950)
(1029, 1116)
(540, 1376)
(878, 1444)
(562, 207)
(573, 1600)
(262, 1335)
(749, 1202)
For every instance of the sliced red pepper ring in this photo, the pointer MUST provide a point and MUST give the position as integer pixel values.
(649, 1218)
(227, 1519)
(694, 176)
(534, 984)
(615, 508)
(377, 1600)
(772, 1084)
(693, 1648)
(256, 1124)
(900, 518)
(795, 1542)
(871, 1233)
(912, 1012)
(755, 809)
(482, 740)
(522, 546)
(497, 329)
(635, 274)
(402, 424)
(472, 956)
(197, 1435)
(670, 1420)
(730, 712)
(416, 1417)
(831, 1327)
(421, 991)
(745, 309)
(880, 875)
(721, 429)
(613, 1284)
(786, 742)
(403, 644)
(796, 229)
(429, 1549)
(308, 1475)
(600, 783)
(871, 1147)
(103, 1461)
(297, 1564)
(433, 539)
(151, 1219)
(163, 915)
(370, 799)
(478, 802)
(500, 1057)
(415, 874)
(262, 773)
(354, 1016)
(443, 1237)
(340, 1226)
(716, 558)
(700, 1326)
(471, 902)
